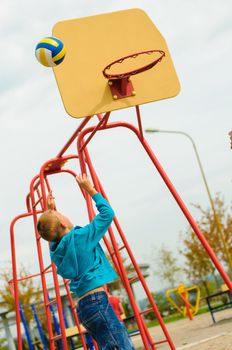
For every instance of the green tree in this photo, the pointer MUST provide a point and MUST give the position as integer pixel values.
(3, 345)
(117, 284)
(198, 266)
(29, 292)
(167, 267)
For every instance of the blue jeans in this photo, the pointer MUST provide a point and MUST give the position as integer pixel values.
(98, 317)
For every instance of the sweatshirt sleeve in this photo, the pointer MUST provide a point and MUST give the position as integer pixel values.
(88, 236)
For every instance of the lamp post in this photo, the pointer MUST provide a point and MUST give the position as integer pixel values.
(217, 222)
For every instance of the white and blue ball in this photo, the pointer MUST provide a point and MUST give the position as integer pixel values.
(50, 51)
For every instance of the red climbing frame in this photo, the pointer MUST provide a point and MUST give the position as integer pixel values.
(39, 188)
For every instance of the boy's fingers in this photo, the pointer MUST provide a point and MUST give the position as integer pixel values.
(79, 179)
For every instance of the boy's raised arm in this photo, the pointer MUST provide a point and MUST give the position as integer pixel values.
(92, 233)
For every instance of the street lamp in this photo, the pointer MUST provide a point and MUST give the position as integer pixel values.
(218, 225)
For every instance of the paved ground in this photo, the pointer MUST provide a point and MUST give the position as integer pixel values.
(200, 334)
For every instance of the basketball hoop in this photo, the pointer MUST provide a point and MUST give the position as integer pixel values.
(120, 84)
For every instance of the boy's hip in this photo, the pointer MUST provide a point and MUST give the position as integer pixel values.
(92, 303)
(93, 291)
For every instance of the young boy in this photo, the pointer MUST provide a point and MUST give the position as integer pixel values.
(79, 257)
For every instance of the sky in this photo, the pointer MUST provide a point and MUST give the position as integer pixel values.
(34, 125)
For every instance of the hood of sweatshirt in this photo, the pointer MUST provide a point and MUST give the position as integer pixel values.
(63, 254)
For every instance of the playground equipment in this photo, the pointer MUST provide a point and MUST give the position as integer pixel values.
(26, 328)
(182, 291)
(219, 302)
(130, 40)
(30, 341)
(39, 327)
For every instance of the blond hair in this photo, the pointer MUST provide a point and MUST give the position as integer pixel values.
(49, 226)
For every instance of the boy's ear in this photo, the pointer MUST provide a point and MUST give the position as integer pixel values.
(63, 224)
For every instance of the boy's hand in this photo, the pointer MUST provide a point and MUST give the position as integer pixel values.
(85, 183)
(50, 201)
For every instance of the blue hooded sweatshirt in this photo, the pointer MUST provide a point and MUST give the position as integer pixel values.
(79, 256)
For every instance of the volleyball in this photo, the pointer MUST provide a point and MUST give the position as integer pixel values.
(50, 51)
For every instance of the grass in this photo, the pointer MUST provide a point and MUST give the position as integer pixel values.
(167, 319)
(172, 318)
(175, 317)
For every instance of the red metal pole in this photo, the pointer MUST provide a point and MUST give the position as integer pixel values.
(103, 122)
(139, 122)
(186, 303)
(73, 137)
(114, 243)
(55, 278)
(187, 214)
(15, 280)
(174, 193)
(41, 266)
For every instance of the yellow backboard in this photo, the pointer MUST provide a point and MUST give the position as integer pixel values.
(94, 42)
